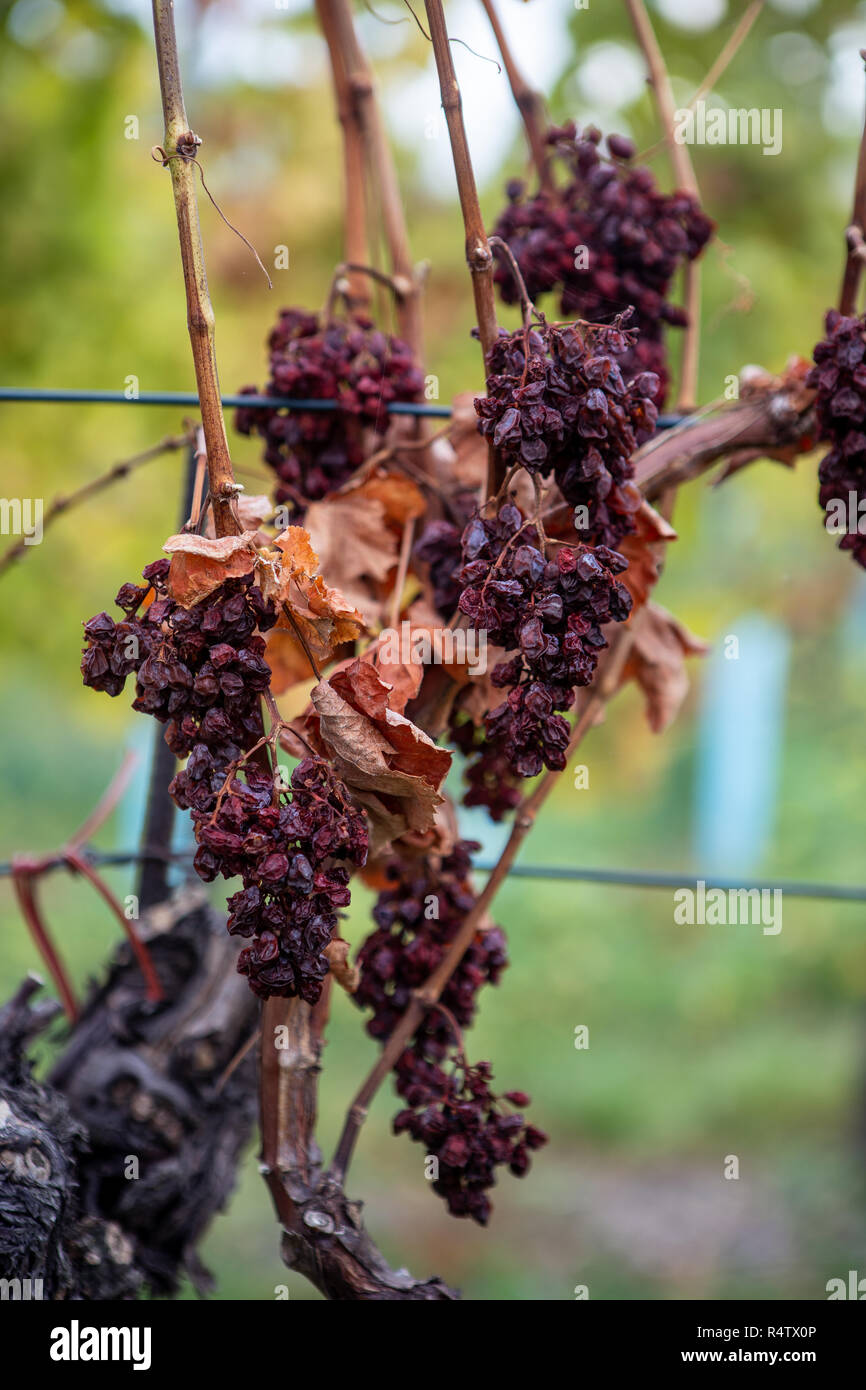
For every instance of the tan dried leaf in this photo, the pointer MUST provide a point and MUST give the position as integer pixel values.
(392, 769)
(657, 663)
(346, 974)
(311, 617)
(199, 564)
(356, 548)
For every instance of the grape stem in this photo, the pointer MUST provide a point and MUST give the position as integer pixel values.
(180, 145)
(854, 233)
(685, 176)
(363, 118)
(529, 103)
(354, 191)
(606, 683)
(479, 257)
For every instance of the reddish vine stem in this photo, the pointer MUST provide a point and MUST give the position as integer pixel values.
(354, 193)
(854, 262)
(61, 505)
(529, 103)
(380, 162)
(685, 176)
(180, 141)
(605, 684)
(479, 257)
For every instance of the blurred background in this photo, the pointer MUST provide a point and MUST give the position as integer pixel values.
(704, 1042)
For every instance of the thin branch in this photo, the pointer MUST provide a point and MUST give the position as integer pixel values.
(354, 194)
(685, 176)
(402, 570)
(479, 257)
(720, 66)
(607, 681)
(180, 141)
(63, 504)
(529, 103)
(854, 262)
(380, 162)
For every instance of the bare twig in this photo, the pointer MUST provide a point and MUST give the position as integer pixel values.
(337, 21)
(854, 262)
(728, 53)
(60, 505)
(529, 103)
(355, 233)
(685, 176)
(479, 257)
(772, 423)
(180, 141)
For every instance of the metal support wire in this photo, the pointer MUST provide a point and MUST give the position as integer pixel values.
(618, 878)
(70, 397)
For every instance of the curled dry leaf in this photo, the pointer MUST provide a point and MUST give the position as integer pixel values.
(645, 552)
(311, 616)
(199, 564)
(657, 663)
(356, 533)
(346, 974)
(391, 768)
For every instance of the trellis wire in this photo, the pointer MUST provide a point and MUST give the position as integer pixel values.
(74, 397)
(621, 878)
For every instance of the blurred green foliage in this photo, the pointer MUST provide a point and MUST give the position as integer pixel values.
(703, 1043)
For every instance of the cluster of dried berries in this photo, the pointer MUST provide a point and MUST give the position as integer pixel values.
(557, 402)
(489, 779)
(292, 851)
(351, 362)
(550, 614)
(202, 672)
(439, 547)
(453, 1112)
(471, 1132)
(839, 378)
(606, 239)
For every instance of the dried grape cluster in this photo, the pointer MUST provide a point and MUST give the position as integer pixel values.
(550, 614)
(454, 1112)
(351, 362)
(557, 402)
(293, 854)
(202, 672)
(490, 781)
(606, 239)
(839, 379)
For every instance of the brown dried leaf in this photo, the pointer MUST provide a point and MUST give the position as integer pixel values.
(199, 564)
(401, 499)
(311, 616)
(657, 662)
(645, 552)
(392, 769)
(356, 548)
(346, 974)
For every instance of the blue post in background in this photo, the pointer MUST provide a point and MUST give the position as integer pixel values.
(740, 738)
